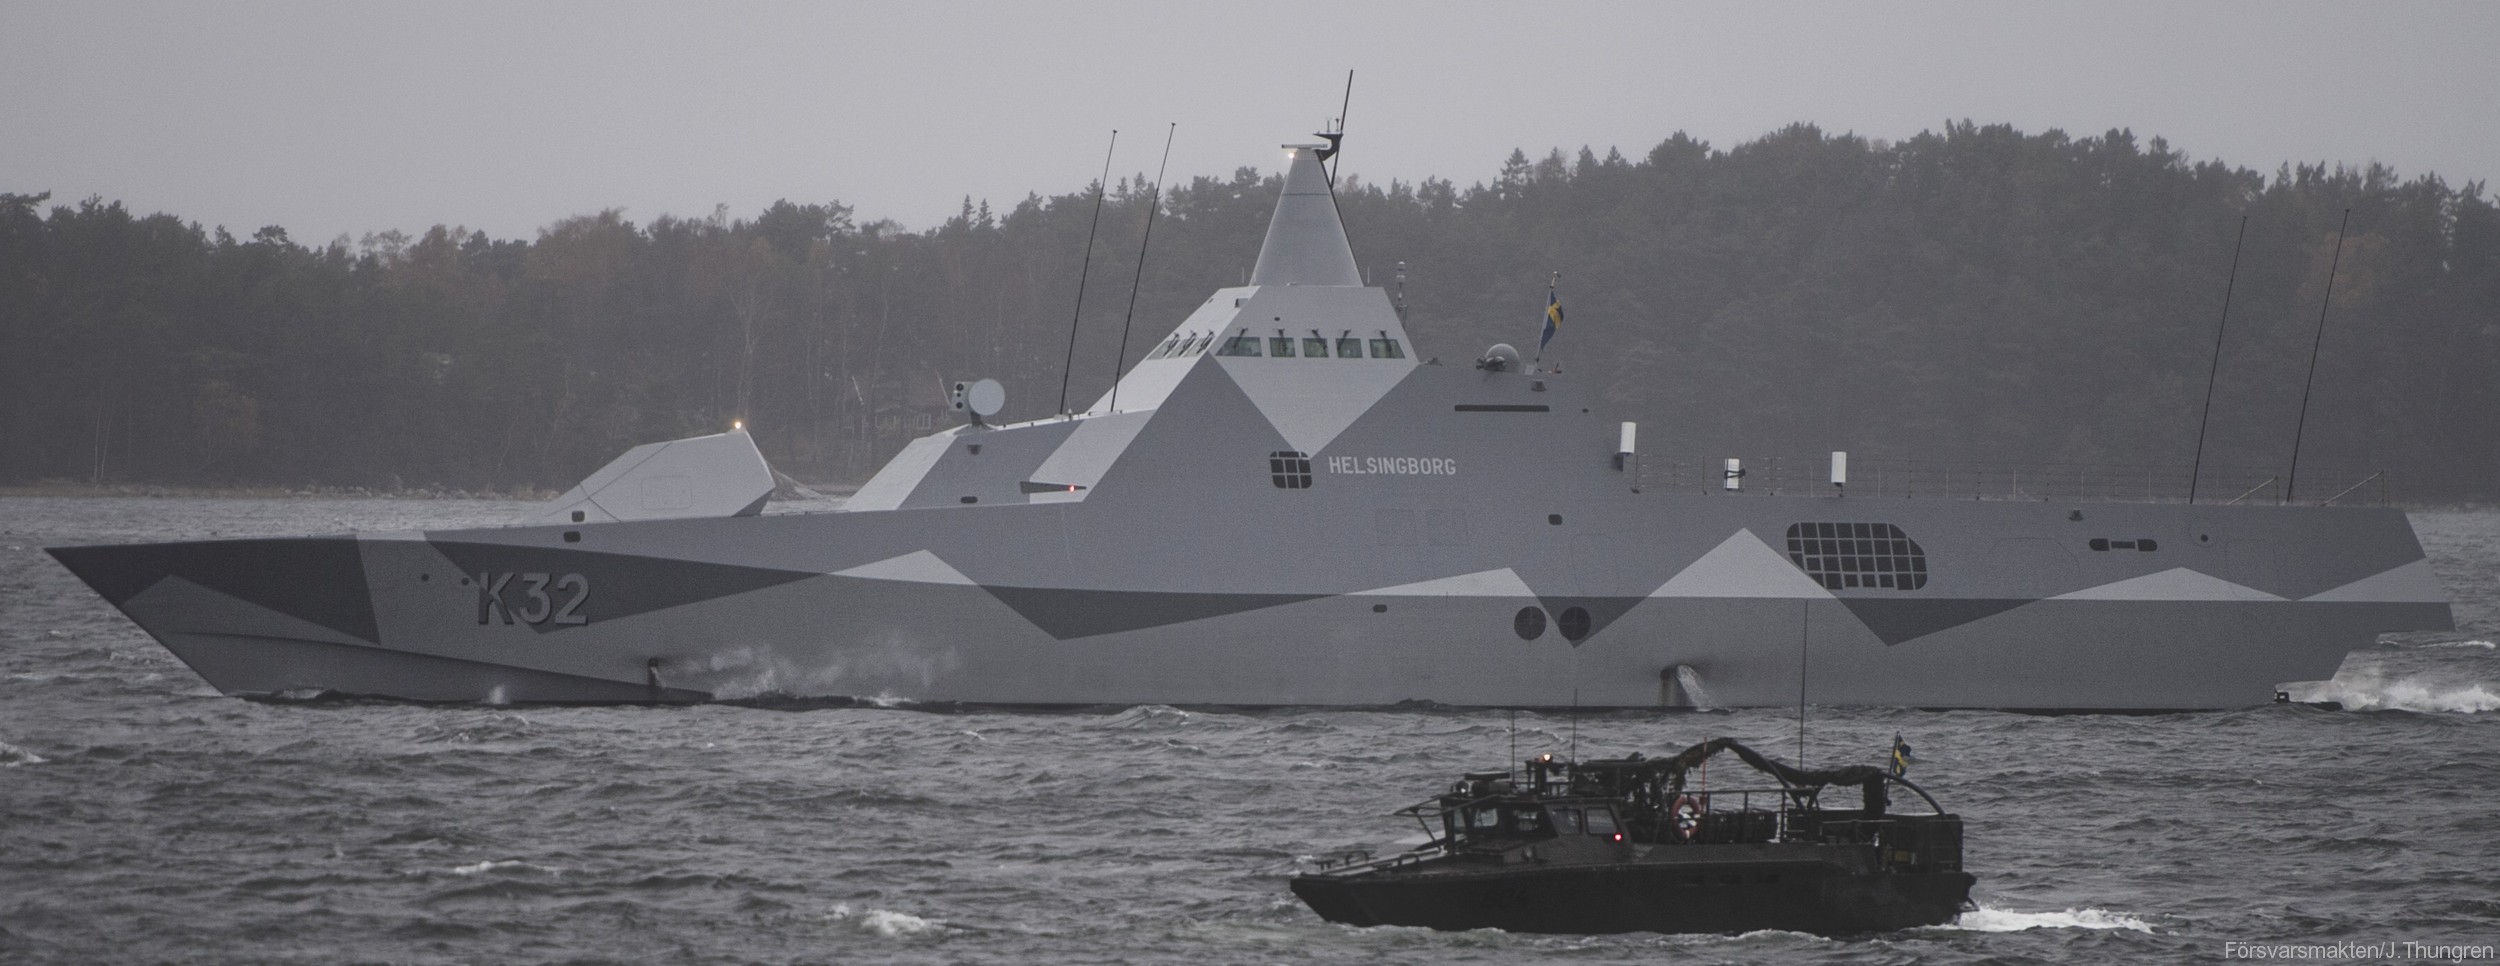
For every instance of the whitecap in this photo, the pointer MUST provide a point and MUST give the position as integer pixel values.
(893, 925)
(1985, 919)
(886, 922)
(2485, 645)
(12, 756)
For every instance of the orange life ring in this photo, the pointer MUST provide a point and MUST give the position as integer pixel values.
(1686, 815)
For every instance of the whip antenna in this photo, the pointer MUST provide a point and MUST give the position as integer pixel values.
(1154, 203)
(2194, 469)
(1805, 632)
(1081, 273)
(2292, 479)
(1331, 156)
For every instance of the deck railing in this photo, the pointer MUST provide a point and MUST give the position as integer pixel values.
(1875, 477)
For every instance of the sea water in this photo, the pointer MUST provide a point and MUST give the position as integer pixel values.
(145, 818)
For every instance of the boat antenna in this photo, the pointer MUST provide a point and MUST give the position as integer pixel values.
(1154, 202)
(1330, 153)
(2197, 468)
(1575, 725)
(1514, 744)
(2292, 479)
(1082, 273)
(1805, 630)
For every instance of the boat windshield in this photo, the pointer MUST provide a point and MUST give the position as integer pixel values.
(1501, 821)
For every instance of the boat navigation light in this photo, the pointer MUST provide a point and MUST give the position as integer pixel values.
(737, 425)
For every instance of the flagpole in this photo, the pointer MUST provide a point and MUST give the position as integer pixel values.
(1551, 283)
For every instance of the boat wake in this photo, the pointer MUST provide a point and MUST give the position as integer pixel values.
(1985, 919)
(2404, 692)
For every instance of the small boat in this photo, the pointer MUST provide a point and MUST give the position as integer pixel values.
(1644, 844)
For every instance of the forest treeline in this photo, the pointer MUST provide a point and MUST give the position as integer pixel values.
(1969, 293)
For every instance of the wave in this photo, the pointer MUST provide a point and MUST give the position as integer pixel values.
(477, 730)
(1985, 919)
(491, 865)
(12, 756)
(887, 923)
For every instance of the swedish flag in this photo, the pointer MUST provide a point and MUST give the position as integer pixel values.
(1553, 319)
(1900, 756)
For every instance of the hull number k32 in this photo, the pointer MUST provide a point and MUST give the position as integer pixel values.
(525, 596)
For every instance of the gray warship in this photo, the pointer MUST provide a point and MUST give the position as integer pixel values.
(1282, 504)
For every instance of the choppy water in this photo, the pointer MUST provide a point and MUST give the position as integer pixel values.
(143, 818)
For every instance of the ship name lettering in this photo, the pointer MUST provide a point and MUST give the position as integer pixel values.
(531, 602)
(1393, 465)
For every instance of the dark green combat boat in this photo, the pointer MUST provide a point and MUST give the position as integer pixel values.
(1645, 844)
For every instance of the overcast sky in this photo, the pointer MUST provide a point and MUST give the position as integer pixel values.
(345, 118)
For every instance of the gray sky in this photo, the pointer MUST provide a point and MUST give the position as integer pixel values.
(345, 118)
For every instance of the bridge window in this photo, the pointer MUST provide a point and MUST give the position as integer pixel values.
(1166, 348)
(1349, 348)
(1281, 347)
(1387, 348)
(1240, 345)
(1200, 345)
(1315, 347)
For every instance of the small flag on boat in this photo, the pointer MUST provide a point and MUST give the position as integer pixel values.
(1900, 756)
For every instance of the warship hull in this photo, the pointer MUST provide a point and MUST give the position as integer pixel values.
(1688, 606)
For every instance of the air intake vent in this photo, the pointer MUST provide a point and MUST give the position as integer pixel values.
(1289, 470)
(1849, 555)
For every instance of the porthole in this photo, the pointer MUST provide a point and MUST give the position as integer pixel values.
(572, 536)
(1553, 519)
(1574, 622)
(1529, 622)
(1380, 608)
(969, 499)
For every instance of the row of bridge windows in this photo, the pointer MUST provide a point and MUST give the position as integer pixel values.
(1279, 346)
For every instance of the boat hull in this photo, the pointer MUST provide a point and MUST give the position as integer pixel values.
(894, 606)
(1699, 889)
